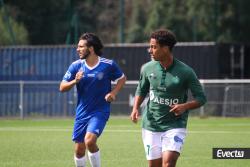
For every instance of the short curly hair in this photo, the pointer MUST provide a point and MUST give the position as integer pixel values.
(93, 40)
(164, 37)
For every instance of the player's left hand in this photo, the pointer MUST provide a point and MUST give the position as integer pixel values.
(178, 109)
(110, 97)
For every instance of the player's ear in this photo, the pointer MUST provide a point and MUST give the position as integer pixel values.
(91, 49)
(166, 48)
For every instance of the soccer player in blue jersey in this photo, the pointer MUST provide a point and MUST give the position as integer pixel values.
(92, 76)
(167, 81)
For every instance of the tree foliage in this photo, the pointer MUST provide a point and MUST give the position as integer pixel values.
(55, 22)
(12, 32)
(192, 20)
(135, 32)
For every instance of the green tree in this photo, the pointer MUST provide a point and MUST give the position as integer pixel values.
(7, 26)
(137, 22)
(52, 22)
(192, 20)
(49, 22)
(234, 21)
(170, 14)
(204, 19)
(107, 21)
(222, 21)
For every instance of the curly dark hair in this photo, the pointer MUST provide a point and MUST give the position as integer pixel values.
(164, 37)
(93, 40)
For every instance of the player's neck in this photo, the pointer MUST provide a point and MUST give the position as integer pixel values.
(166, 63)
(92, 60)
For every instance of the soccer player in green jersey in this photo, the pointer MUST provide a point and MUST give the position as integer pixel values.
(167, 81)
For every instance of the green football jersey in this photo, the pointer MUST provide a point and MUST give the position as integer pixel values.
(165, 88)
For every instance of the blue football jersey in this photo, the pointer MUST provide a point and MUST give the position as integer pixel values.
(94, 85)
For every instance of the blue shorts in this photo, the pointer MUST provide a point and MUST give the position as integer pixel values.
(94, 124)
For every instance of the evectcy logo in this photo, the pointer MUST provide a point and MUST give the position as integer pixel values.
(231, 153)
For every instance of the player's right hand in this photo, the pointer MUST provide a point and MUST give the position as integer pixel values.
(134, 116)
(79, 76)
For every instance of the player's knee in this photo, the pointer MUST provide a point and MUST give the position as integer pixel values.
(79, 153)
(169, 163)
(89, 142)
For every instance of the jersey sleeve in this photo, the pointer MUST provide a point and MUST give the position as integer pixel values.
(116, 72)
(143, 85)
(70, 73)
(196, 88)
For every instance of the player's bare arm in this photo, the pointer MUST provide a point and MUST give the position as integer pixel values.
(66, 86)
(179, 109)
(134, 116)
(112, 95)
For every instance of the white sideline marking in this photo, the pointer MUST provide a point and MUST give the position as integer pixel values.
(35, 129)
(219, 132)
(10, 129)
(238, 124)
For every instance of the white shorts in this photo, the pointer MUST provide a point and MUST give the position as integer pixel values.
(157, 142)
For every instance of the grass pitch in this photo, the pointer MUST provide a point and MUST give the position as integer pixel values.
(47, 143)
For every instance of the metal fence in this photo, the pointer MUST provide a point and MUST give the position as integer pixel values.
(34, 99)
(227, 98)
(42, 99)
(30, 99)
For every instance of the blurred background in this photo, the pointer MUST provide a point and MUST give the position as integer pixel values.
(62, 21)
(38, 39)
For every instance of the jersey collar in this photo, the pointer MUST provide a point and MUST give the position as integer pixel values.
(91, 68)
(169, 68)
